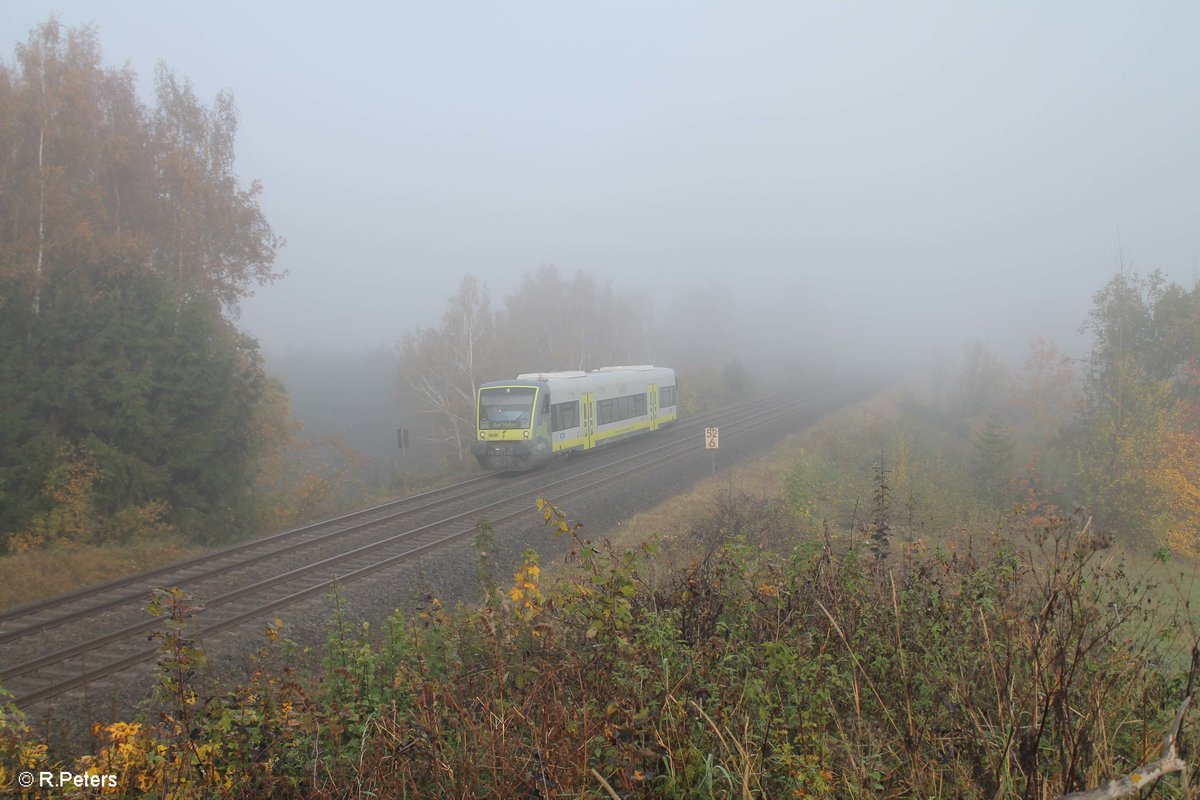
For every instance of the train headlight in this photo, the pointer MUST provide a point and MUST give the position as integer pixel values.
(524, 434)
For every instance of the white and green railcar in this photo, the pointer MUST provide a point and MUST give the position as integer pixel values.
(524, 422)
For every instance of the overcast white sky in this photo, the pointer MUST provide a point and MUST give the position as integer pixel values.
(957, 167)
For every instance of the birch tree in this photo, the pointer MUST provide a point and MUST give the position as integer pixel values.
(444, 365)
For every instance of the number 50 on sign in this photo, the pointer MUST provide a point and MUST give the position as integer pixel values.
(712, 438)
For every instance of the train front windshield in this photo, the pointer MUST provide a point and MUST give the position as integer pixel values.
(505, 407)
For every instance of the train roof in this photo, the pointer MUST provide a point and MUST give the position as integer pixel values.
(545, 376)
(569, 374)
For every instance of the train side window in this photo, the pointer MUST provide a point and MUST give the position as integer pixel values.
(564, 415)
(605, 412)
(545, 403)
(639, 405)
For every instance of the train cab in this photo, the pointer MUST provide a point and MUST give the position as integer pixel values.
(512, 424)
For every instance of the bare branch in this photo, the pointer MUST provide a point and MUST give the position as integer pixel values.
(1143, 775)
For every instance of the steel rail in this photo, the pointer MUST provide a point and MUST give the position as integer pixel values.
(30, 665)
(220, 569)
(666, 451)
(260, 610)
(213, 555)
(219, 555)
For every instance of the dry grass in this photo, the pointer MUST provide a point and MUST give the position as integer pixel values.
(25, 577)
(672, 520)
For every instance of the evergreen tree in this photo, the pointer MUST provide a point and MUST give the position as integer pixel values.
(991, 460)
(125, 240)
(881, 511)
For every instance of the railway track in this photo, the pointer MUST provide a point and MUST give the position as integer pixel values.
(57, 645)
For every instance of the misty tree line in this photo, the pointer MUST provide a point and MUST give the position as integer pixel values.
(1117, 434)
(126, 242)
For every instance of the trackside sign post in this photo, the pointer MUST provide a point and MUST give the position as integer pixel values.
(712, 441)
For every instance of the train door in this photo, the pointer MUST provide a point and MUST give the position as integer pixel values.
(587, 400)
(652, 405)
